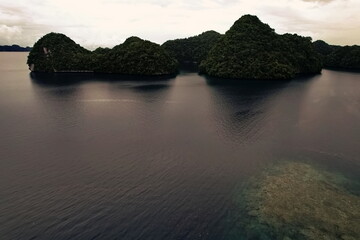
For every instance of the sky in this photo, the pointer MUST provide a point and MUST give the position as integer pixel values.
(106, 23)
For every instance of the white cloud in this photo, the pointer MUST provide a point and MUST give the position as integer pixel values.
(10, 32)
(319, 1)
(110, 22)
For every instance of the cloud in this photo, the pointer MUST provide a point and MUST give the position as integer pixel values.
(319, 1)
(10, 32)
(110, 22)
(325, 22)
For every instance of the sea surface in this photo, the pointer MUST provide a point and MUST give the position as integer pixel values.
(101, 157)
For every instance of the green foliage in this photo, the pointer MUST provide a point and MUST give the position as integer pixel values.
(192, 49)
(56, 52)
(347, 57)
(323, 48)
(101, 50)
(137, 56)
(252, 50)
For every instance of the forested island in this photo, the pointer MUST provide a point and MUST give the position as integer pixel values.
(193, 49)
(338, 57)
(56, 52)
(135, 57)
(250, 49)
(14, 48)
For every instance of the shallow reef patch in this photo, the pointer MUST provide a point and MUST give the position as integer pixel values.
(296, 200)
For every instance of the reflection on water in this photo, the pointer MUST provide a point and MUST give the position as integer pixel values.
(150, 87)
(243, 108)
(110, 157)
(59, 79)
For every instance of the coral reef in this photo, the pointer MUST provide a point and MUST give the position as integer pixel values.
(295, 200)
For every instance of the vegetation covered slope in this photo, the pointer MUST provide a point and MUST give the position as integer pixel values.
(193, 49)
(56, 52)
(347, 57)
(323, 48)
(135, 56)
(252, 50)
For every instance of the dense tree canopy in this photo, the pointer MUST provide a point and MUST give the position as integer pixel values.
(56, 52)
(347, 57)
(323, 48)
(136, 56)
(252, 50)
(193, 49)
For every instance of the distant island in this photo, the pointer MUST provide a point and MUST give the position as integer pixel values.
(14, 48)
(338, 57)
(250, 49)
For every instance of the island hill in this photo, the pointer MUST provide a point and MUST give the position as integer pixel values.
(337, 57)
(56, 52)
(193, 49)
(250, 49)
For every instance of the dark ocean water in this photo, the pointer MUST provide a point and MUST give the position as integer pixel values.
(101, 158)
